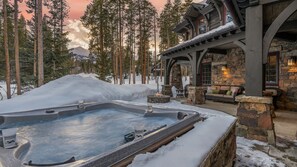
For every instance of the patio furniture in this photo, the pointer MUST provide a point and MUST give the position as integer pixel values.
(223, 93)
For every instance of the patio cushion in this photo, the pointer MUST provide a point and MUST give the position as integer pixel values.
(209, 89)
(234, 90)
(229, 93)
(215, 91)
(223, 92)
(225, 88)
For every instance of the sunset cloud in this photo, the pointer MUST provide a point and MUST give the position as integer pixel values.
(78, 34)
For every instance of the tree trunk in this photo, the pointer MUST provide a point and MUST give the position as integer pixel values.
(133, 58)
(8, 91)
(161, 71)
(35, 45)
(121, 51)
(155, 43)
(16, 47)
(101, 39)
(148, 69)
(40, 45)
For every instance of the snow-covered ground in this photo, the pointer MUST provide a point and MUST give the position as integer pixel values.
(184, 151)
(71, 89)
(3, 90)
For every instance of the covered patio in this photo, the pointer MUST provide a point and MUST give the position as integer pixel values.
(273, 20)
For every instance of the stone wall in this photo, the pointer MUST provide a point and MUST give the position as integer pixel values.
(255, 118)
(235, 73)
(224, 153)
(196, 95)
(287, 75)
(176, 77)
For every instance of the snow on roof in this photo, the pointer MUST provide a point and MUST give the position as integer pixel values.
(71, 89)
(222, 29)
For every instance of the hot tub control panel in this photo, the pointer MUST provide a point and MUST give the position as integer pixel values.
(8, 138)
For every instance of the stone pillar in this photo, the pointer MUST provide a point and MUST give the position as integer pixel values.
(255, 118)
(176, 79)
(166, 90)
(196, 95)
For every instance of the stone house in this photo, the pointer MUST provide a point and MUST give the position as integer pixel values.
(248, 43)
(209, 21)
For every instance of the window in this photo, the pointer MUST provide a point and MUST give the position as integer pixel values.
(206, 74)
(272, 69)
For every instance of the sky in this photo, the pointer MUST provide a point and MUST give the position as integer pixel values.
(78, 34)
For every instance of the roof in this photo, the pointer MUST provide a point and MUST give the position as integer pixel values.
(203, 37)
(181, 27)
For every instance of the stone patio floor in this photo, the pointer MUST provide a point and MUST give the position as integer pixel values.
(285, 125)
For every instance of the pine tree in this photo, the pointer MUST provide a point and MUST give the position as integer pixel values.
(16, 47)
(40, 44)
(96, 18)
(130, 23)
(32, 9)
(26, 44)
(7, 61)
(60, 61)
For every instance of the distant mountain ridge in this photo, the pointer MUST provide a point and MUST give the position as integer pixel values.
(80, 53)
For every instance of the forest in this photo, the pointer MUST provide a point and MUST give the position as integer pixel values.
(125, 39)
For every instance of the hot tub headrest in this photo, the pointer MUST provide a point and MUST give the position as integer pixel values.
(181, 115)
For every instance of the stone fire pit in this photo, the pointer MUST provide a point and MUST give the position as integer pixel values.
(158, 99)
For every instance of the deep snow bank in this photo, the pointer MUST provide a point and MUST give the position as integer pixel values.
(71, 89)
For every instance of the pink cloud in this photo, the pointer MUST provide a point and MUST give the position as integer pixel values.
(78, 7)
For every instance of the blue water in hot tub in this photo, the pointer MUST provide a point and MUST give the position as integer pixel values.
(83, 135)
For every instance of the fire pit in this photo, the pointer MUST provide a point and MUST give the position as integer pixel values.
(158, 98)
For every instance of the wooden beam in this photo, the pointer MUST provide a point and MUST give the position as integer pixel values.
(264, 2)
(254, 76)
(275, 26)
(206, 45)
(241, 44)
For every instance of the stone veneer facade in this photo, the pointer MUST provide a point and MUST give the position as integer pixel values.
(255, 118)
(235, 73)
(223, 153)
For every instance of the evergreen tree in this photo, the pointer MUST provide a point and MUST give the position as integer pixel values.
(40, 44)
(6, 49)
(100, 34)
(26, 53)
(32, 9)
(60, 61)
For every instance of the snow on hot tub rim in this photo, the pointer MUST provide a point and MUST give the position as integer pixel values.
(60, 112)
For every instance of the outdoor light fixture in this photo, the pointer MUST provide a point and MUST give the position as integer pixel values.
(224, 68)
(292, 61)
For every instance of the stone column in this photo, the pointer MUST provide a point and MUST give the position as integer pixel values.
(166, 90)
(255, 118)
(196, 95)
(176, 79)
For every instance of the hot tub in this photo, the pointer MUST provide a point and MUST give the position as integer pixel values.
(92, 134)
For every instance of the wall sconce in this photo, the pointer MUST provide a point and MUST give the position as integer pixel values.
(224, 68)
(292, 61)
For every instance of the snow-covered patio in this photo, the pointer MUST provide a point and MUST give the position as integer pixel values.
(188, 150)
